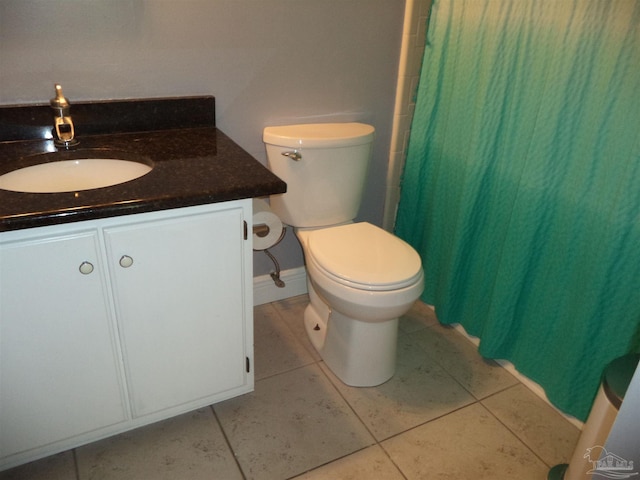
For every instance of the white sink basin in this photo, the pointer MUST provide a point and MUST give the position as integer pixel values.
(72, 175)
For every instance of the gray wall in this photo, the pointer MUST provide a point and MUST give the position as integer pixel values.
(266, 61)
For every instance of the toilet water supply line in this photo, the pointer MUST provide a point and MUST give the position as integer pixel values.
(275, 276)
(263, 231)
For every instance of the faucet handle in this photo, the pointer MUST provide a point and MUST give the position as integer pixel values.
(62, 122)
(59, 101)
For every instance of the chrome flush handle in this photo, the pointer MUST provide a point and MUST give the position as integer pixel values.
(295, 155)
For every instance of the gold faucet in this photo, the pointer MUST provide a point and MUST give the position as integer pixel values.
(62, 122)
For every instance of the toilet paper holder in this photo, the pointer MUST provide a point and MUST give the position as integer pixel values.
(261, 230)
(267, 231)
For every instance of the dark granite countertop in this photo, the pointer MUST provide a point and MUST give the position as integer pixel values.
(192, 165)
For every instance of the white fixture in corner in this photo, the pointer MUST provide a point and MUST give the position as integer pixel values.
(360, 278)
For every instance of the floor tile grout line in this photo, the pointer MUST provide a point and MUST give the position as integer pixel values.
(282, 320)
(291, 369)
(450, 374)
(515, 374)
(324, 375)
(502, 390)
(414, 428)
(379, 442)
(439, 417)
(228, 442)
(481, 399)
(476, 399)
(284, 372)
(346, 401)
(338, 459)
(520, 439)
(306, 348)
(337, 390)
(384, 450)
(74, 455)
(523, 440)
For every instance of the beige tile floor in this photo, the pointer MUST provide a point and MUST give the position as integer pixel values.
(446, 414)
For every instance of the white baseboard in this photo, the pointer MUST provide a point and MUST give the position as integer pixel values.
(266, 291)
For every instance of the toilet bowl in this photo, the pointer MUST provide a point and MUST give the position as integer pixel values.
(362, 270)
(360, 278)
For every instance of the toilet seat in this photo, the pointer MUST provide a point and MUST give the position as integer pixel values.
(363, 256)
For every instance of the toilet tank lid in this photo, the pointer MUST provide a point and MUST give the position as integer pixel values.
(319, 135)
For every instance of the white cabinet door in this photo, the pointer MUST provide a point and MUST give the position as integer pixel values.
(178, 288)
(59, 371)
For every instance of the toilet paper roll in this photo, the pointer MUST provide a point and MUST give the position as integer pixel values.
(262, 215)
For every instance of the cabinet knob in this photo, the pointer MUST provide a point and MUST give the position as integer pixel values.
(126, 261)
(86, 268)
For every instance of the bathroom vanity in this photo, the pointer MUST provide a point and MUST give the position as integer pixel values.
(125, 305)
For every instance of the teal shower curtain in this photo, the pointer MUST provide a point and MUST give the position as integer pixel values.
(521, 189)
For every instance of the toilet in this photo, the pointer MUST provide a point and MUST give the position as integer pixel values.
(360, 278)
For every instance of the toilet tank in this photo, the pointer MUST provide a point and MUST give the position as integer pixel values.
(325, 185)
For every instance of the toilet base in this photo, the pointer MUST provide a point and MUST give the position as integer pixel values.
(360, 354)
